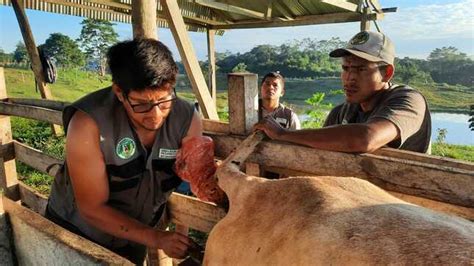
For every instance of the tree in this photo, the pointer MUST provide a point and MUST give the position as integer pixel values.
(409, 70)
(20, 54)
(95, 39)
(64, 50)
(448, 65)
(240, 68)
(5, 57)
(318, 112)
(446, 53)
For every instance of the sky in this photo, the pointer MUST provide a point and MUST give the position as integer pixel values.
(417, 28)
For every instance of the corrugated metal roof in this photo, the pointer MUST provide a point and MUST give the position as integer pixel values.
(217, 14)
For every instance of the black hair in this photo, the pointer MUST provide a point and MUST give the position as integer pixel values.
(276, 75)
(140, 64)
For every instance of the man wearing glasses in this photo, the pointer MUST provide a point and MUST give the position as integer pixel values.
(376, 113)
(120, 148)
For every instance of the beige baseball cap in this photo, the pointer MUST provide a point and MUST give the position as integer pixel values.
(371, 46)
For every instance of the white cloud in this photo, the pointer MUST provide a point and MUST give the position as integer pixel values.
(432, 21)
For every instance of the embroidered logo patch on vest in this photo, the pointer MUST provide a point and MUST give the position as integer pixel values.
(125, 148)
(281, 120)
(167, 153)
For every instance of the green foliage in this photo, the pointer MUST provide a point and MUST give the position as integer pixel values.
(39, 136)
(20, 54)
(305, 58)
(409, 70)
(318, 112)
(64, 50)
(5, 57)
(449, 65)
(445, 97)
(458, 152)
(37, 180)
(309, 58)
(441, 137)
(96, 38)
(240, 68)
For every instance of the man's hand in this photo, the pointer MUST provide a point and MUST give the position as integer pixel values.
(173, 244)
(271, 127)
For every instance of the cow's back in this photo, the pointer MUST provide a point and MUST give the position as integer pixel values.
(332, 220)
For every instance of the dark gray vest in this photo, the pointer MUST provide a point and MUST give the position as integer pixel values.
(139, 183)
(282, 114)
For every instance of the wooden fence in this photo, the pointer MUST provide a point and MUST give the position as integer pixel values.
(438, 183)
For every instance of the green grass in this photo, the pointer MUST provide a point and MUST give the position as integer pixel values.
(460, 152)
(444, 97)
(71, 85)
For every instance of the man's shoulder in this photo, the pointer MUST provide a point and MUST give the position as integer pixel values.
(285, 108)
(338, 107)
(343, 107)
(95, 95)
(404, 92)
(334, 116)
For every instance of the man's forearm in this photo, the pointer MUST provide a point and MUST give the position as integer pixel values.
(120, 225)
(345, 138)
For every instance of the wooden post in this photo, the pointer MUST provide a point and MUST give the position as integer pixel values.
(33, 54)
(191, 64)
(144, 19)
(8, 175)
(365, 22)
(243, 108)
(212, 64)
(243, 102)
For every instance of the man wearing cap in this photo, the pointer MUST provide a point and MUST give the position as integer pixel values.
(376, 112)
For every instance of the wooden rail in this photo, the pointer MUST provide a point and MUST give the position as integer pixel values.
(430, 181)
(33, 112)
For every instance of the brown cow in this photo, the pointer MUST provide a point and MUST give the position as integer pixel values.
(329, 220)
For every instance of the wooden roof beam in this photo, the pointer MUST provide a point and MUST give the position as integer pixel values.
(377, 7)
(342, 4)
(230, 8)
(191, 64)
(194, 20)
(279, 6)
(268, 13)
(111, 4)
(223, 15)
(299, 21)
(160, 16)
(82, 6)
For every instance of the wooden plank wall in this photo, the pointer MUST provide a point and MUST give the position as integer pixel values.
(39, 241)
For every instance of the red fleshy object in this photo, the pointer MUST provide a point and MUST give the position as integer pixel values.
(195, 164)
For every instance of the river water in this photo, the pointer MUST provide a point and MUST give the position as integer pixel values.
(457, 127)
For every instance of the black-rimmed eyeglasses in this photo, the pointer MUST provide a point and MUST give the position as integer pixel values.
(146, 107)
